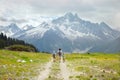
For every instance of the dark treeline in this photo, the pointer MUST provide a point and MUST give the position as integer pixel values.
(7, 41)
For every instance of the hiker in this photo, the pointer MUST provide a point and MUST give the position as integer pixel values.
(54, 56)
(61, 55)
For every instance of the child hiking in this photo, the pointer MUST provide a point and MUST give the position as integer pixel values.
(54, 56)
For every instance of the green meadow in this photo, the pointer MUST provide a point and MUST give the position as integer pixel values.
(21, 65)
(94, 66)
(27, 66)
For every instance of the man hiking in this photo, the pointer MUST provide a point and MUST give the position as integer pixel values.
(61, 55)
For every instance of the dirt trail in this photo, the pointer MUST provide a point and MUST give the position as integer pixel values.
(45, 73)
(64, 71)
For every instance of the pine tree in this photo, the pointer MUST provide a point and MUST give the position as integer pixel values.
(7, 41)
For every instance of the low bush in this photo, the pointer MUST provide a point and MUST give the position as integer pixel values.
(21, 48)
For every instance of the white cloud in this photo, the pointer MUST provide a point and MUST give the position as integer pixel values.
(93, 10)
(116, 21)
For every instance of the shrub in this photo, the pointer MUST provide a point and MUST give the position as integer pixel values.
(21, 48)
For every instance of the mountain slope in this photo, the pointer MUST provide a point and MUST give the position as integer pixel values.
(108, 47)
(113, 46)
(10, 29)
(68, 32)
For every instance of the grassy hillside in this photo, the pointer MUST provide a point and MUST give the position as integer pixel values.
(21, 65)
(97, 66)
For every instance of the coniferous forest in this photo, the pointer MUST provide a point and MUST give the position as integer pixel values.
(7, 41)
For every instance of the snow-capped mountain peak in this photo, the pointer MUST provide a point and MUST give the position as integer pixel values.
(71, 16)
(10, 29)
(68, 32)
(67, 18)
(13, 26)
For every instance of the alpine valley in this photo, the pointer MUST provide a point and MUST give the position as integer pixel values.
(68, 32)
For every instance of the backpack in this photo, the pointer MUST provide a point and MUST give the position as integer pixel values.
(59, 53)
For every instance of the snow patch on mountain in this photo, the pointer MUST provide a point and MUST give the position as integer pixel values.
(68, 32)
(72, 34)
(10, 29)
(27, 27)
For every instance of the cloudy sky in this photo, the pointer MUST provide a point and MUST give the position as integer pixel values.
(24, 12)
